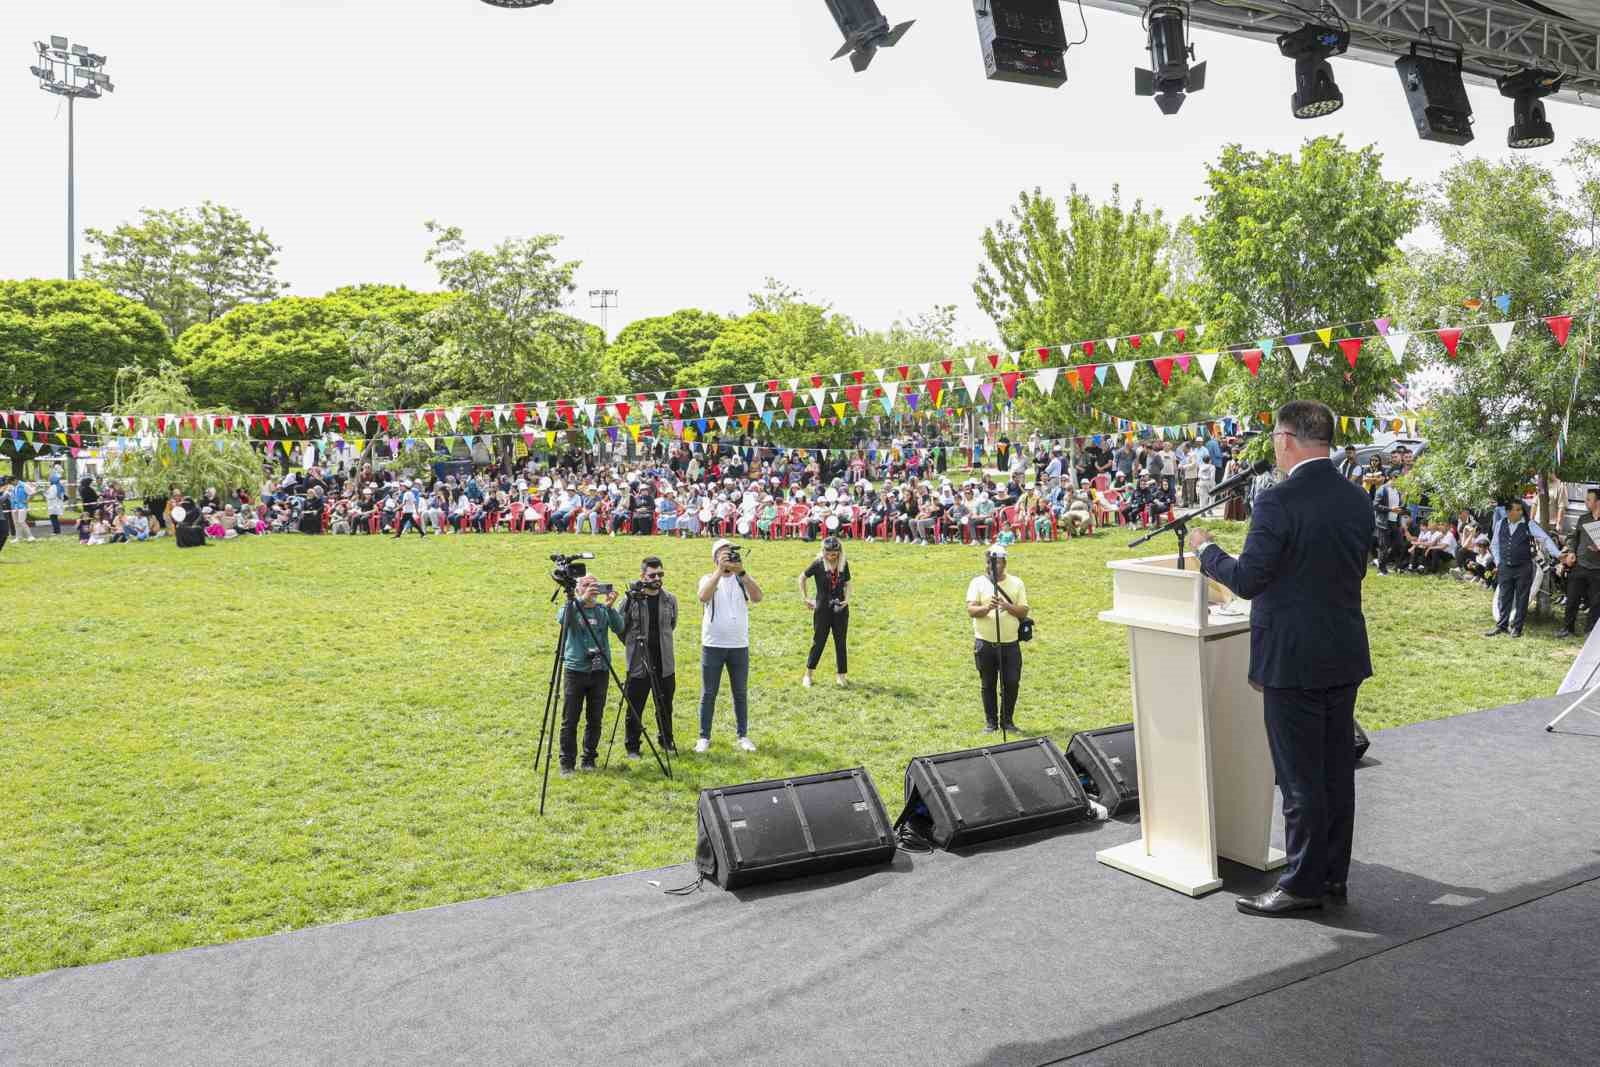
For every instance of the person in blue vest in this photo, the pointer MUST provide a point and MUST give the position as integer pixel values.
(1302, 566)
(1512, 548)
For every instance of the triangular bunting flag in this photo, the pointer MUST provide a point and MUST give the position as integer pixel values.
(1397, 340)
(1125, 372)
(1450, 338)
(1502, 333)
(1352, 350)
(1045, 380)
(1560, 325)
(1252, 359)
(1301, 352)
(1208, 363)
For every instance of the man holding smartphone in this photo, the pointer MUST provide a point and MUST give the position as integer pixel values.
(587, 659)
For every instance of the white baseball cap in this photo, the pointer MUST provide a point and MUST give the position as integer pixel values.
(998, 550)
(718, 545)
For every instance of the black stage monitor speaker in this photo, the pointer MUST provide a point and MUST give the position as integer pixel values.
(961, 798)
(1023, 41)
(1362, 743)
(1106, 757)
(788, 827)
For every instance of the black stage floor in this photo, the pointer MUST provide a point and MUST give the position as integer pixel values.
(1470, 938)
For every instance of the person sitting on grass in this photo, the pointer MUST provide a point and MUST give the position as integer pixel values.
(1441, 552)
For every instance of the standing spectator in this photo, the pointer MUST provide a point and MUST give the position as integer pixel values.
(1583, 569)
(20, 492)
(1350, 467)
(726, 594)
(1512, 547)
(997, 603)
(830, 609)
(410, 511)
(649, 619)
(1387, 510)
(1205, 481)
(587, 658)
(55, 500)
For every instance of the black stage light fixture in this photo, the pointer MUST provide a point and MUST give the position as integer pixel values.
(517, 3)
(865, 30)
(1170, 76)
(1022, 41)
(1437, 97)
(1526, 88)
(1315, 92)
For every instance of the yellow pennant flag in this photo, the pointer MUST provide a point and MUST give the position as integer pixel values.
(550, 438)
(1344, 423)
(633, 428)
(1326, 333)
(838, 410)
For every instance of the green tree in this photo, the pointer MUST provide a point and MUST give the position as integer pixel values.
(1505, 228)
(1287, 244)
(281, 355)
(218, 459)
(62, 343)
(504, 336)
(649, 354)
(188, 266)
(1099, 271)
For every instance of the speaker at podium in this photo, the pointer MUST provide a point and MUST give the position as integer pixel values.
(1205, 779)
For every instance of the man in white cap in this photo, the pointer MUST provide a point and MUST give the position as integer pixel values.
(725, 597)
(997, 604)
(410, 510)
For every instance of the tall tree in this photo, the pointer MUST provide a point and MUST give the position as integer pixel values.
(505, 336)
(1099, 271)
(1504, 228)
(649, 354)
(213, 459)
(1288, 244)
(188, 266)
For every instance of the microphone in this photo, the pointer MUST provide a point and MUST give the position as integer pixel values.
(1240, 480)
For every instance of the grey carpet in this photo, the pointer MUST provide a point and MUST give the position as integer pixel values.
(1025, 952)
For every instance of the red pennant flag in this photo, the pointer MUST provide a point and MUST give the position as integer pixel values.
(945, 363)
(1352, 350)
(772, 387)
(787, 396)
(858, 376)
(1163, 367)
(77, 440)
(904, 370)
(74, 419)
(816, 381)
(729, 401)
(1088, 348)
(1451, 338)
(476, 415)
(1559, 325)
(1252, 359)
(1044, 356)
(1181, 334)
(1009, 379)
(338, 420)
(676, 404)
(994, 360)
(520, 413)
(622, 408)
(852, 393)
(1086, 376)
(383, 421)
(564, 410)
(935, 385)
(1134, 340)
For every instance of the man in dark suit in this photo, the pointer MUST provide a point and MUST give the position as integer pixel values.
(1301, 569)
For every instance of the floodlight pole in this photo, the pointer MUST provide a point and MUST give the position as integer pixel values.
(72, 230)
(604, 300)
(73, 61)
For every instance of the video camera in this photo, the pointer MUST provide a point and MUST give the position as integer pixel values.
(642, 587)
(735, 553)
(569, 569)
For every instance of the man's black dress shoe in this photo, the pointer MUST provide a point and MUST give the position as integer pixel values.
(1563, 632)
(1497, 631)
(1277, 902)
(1338, 892)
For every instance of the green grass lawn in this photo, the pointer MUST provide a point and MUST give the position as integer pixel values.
(276, 733)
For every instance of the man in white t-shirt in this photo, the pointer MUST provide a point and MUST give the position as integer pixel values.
(410, 510)
(725, 597)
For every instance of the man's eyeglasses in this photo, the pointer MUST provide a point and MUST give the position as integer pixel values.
(653, 576)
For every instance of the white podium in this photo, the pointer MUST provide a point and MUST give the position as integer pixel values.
(1205, 772)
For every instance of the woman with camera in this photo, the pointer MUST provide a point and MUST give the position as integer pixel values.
(830, 609)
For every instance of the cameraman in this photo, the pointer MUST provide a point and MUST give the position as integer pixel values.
(830, 610)
(726, 595)
(997, 604)
(649, 615)
(587, 658)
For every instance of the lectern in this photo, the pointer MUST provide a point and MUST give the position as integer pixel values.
(1205, 772)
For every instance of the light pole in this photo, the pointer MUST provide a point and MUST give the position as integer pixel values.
(76, 73)
(605, 300)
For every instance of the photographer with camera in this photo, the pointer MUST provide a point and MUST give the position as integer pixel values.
(726, 595)
(649, 616)
(587, 659)
(830, 609)
(998, 606)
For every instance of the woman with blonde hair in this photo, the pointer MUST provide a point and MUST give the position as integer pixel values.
(830, 609)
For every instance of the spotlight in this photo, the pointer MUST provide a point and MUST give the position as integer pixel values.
(865, 30)
(1022, 41)
(1170, 76)
(1315, 92)
(1529, 127)
(1438, 100)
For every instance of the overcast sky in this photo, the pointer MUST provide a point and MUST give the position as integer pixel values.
(683, 150)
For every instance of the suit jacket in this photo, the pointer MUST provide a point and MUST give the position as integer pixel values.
(1301, 569)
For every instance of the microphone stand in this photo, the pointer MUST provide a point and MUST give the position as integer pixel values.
(1180, 523)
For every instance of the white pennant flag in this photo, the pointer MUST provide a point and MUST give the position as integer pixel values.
(1200, 330)
(970, 383)
(588, 411)
(1111, 345)
(1155, 338)
(760, 401)
(705, 391)
(647, 407)
(1046, 379)
(454, 415)
(1208, 363)
(889, 391)
(1125, 372)
(972, 362)
(924, 368)
(794, 384)
(838, 378)
(1397, 342)
(879, 372)
(1301, 352)
(722, 422)
(819, 397)
(502, 412)
(1502, 333)
(542, 410)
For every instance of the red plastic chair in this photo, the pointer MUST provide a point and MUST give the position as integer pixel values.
(795, 523)
(776, 529)
(516, 522)
(537, 515)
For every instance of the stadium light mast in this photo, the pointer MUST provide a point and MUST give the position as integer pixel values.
(72, 71)
(603, 300)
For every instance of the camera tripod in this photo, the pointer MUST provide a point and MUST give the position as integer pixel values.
(549, 727)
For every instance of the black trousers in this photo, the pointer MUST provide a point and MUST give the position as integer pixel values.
(1389, 547)
(824, 622)
(409, 520)
(1511, 589)
(586, 692)
(1311, 733)
(638, 696)
(999, 666)
(1583, 585)
(157, 505)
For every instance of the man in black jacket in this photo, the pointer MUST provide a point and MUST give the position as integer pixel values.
(649, 617)
(1301, 569)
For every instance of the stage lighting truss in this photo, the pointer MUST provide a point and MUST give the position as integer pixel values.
(1170, 76)
(1315, 92)
(1527, 89)
(517, 3)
